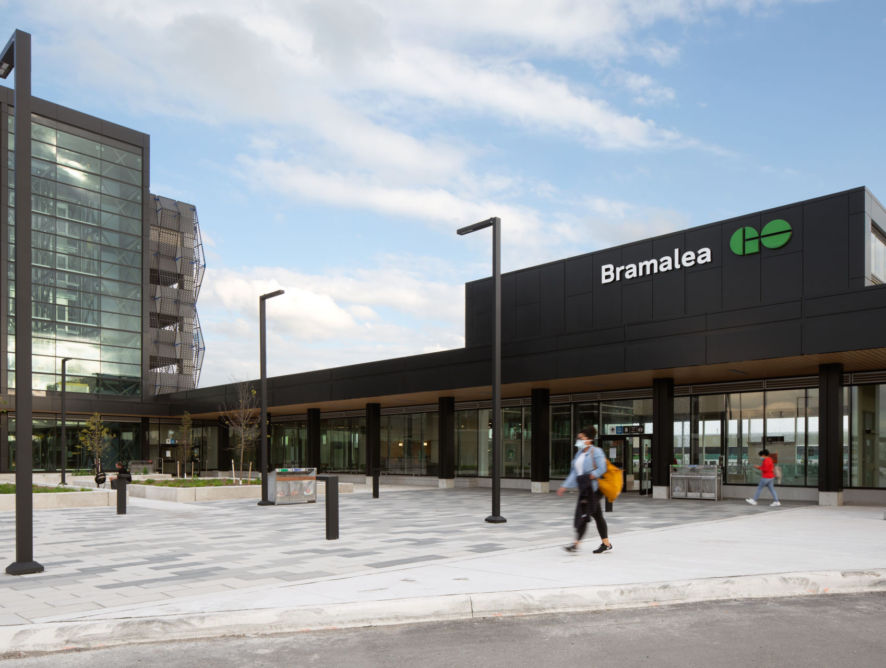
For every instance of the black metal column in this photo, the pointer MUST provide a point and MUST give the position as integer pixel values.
(373, 438)
(662, 431)
(540, 457)
(331, 505)
(314, 438)
(4, 443)
(446, 437)
(830, 428)
(373, 445)
(20, 46)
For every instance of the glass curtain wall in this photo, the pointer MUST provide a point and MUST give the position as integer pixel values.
(122, 444)
(466, 440)
(516, 441)
(562, 439)
(409, 443)
(682, 431)
(786, 434)
(343, 444)
(87, 260)
(744, 436)
(289, 444)
(708, 427)
(867, 450)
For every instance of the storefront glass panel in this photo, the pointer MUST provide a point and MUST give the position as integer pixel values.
(812, 437)
(682, 431)
(587, 415)
(786, 434)
(289, 444)
(342, 445)
(393, 443)
(512, 442)
(466, 443)
(744, 436)
(708, 420)
(867, 457)
(562, 439)
(484, 441)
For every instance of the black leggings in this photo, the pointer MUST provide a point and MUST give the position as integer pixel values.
(588, 506)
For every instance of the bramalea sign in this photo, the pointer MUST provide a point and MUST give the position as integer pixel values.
(679, 259)
(744, 241)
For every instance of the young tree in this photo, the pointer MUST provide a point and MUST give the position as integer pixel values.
(184, 449)
(242, 417)
(93, 439)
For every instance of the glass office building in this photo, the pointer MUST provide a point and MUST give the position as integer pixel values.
(115, 274)
(87, 290)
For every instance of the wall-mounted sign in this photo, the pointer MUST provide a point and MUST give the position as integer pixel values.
(624, 429)
(610, 273)
(746, 240)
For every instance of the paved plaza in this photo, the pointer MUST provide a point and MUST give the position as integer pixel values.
(167, 570)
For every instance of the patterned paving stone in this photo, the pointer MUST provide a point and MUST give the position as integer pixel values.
(94, 557)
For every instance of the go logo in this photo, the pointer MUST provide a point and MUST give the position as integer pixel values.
(746, 240)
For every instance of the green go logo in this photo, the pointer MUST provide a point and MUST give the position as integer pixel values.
(746, 240)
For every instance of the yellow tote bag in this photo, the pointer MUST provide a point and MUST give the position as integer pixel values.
(611, 482)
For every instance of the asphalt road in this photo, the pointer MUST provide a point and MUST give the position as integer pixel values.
(846, 631)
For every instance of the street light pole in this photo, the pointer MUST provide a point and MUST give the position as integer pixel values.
(264, 397)
(495, 223)
(64, 417)
(17, 55)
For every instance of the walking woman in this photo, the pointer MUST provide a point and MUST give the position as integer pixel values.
(767, 479)
(588, 465)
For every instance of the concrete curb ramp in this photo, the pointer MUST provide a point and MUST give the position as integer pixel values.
(58, 636)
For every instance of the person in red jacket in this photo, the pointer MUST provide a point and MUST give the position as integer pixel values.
(767, 479)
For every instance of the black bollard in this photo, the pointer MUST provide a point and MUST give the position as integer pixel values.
(121, 495)
(375, 477)
(331, 505)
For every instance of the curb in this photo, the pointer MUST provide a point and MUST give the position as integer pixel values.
(60, 636)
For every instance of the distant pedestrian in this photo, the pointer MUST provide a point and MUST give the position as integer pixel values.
(767, 479)
(587, 466)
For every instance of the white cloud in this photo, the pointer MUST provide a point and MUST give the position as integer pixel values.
(322, 321)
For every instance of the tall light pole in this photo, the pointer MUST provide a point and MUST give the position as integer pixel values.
(17, 55)
(64, 417)
(264, 397)
(495, 223)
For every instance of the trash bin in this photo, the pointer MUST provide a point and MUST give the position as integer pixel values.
(292, 486)
(695, 482)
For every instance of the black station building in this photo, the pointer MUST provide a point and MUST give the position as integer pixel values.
(697, 347)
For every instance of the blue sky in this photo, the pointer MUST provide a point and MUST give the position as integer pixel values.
(332, 148)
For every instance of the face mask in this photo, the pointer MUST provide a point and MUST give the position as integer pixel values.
(579, 443)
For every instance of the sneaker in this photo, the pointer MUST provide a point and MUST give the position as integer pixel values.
(751, 501)
(775, 503)
(603, 548)
(571, 548)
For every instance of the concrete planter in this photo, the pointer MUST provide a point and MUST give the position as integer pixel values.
(50, 501)
(197, 494)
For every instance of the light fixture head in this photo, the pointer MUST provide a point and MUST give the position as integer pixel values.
(489, 222)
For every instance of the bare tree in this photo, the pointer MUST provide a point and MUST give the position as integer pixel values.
(242, 417)
(184, 449)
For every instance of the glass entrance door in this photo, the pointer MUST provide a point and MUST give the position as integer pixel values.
(633, 454)
(642, 448)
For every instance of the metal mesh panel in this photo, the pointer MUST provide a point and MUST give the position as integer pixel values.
(177, 267)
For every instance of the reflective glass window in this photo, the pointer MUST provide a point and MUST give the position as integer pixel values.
(466, 442)
(562, 439)
(744, 436)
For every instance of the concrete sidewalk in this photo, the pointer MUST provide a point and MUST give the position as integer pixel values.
(170, 571)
